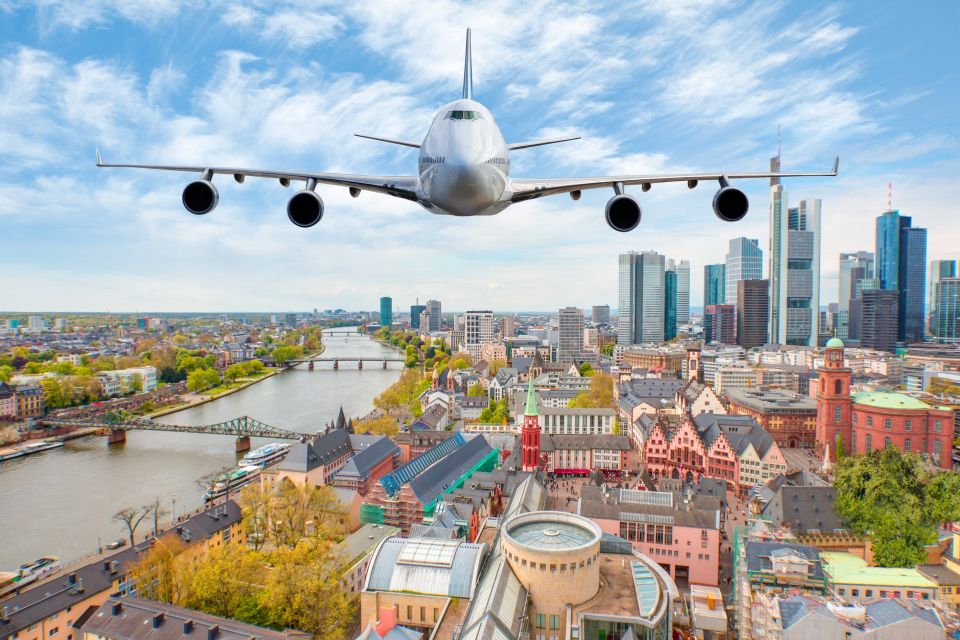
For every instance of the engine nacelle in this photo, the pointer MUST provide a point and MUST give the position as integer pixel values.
(200, 197)
(622, 213)
(730, 204)
(305, 208)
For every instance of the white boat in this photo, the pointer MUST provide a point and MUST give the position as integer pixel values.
(265, 455)
(35, 447)
(29, 573)
(232, 481)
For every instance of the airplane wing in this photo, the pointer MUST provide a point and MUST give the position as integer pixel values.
(528, 189)
(398, 186)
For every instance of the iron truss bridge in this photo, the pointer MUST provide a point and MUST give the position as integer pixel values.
(241, 427)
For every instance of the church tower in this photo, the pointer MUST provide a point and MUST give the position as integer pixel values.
(834, 405)
(694, 362)
(530, 432)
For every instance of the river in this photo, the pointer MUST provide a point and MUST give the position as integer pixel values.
(61, 502)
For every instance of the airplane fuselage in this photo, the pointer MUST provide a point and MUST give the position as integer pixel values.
(464, 163)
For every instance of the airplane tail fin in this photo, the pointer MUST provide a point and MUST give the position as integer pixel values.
(468, 71)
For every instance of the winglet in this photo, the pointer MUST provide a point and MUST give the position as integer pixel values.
(99, 161)
(836, 165)
(468, 71)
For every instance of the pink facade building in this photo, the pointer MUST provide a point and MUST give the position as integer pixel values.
(681, 533)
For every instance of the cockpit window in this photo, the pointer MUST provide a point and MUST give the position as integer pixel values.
(464, 115)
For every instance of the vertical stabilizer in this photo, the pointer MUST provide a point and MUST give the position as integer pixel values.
(468, 71)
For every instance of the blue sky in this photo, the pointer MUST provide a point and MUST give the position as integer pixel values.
(650, 86)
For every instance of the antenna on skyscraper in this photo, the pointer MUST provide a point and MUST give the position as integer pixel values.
(779, 149)
(889, 196)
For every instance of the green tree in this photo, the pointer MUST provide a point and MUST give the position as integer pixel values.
(476, 390)
(223, 579)
(495, 366)
(600, 394)
(382, 426)
(895, 499)
(607, 349)
(202, 379)
(6, 372)
(586, 370)
(839, 451)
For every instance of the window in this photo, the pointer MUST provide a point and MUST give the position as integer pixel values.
(554, 622)
(836, 413)
(854, 592)
(886, 442)
(938, 426)
(423, 614)
(541, 621)
(53, 631)
(838, 387)
(464, 115)
(906, 445)
(936, 449)
(853, 442)
(869, 446)
(908, 425)
(888, 424)
(409, 612)
(869, 593)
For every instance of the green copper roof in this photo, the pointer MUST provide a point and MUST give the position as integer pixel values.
(531, 409)
(834, 343)
(888, 400)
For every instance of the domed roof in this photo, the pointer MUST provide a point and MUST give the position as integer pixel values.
(834, 343)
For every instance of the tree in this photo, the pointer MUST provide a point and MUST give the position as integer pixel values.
(461, 361)
(600, 394)
(295, 512)
(6, 372)
(254, 503)
(234, 372)
(495, 366)
(838, 449)
(161, 573)
(895, 499)
(131, 519)
(223, 579)
(303, 591)
(382, 426)
(586, 370)
(284, 353)
(607, 349)
(476, 390)
(202, 379)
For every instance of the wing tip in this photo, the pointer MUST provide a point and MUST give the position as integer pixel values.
(836, 165)
(99, 160)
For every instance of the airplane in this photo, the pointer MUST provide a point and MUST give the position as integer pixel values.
(464, 170)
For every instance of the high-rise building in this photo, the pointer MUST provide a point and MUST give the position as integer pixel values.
(879, 319)
(436, 319)
(901, 266)
(848, 262)
(671, 280)
(939, 269)
(415, 311)
(794, 269)
(386, 311)
(683, 292)
(641, 309)
(744, 262)
(508, 326)
(477, 330)
(947, 328)
(753, 310)
(714, 284)
(600, 314)
(720, 324)
(570, 335)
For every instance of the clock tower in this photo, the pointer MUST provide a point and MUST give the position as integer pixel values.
(834, 405)
(530, 432)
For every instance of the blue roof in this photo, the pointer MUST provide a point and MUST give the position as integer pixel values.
(434, 480)
(392, 482)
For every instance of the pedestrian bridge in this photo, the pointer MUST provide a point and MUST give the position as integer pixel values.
(116, 426)
(337, 360)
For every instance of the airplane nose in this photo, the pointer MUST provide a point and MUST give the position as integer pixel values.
(464, 189)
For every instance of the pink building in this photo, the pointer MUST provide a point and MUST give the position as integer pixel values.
(682, 534)
(8, 402)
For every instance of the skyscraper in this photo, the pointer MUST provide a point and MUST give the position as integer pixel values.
(901, 266)
(714, 284)
(507, 326)
(753, 311)
(683, 292)
(939, 269)
(477, 330)
(415, 311)
(436, 320)
(794, 269)
(879, 322)
(947, 328)
(386, 311)
(744, 262)
(600, 314)
(670, 312)
(641, 309)
(570, 335)
(848, 262)
(720, 324)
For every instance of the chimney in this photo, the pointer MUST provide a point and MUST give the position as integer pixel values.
(213, 631)
(157, 620)
(5, 615)
(113, 566)
(187, 627)
(116, 608)
(106, 565)
(72, 579)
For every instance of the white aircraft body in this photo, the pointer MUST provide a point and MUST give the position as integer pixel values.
(464, 170)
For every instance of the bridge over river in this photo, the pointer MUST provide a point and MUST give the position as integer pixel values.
(116, 425)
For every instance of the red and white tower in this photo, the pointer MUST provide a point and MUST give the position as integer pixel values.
(530, 432)
(834, 405)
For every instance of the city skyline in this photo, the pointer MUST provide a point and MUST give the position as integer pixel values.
(72, 80)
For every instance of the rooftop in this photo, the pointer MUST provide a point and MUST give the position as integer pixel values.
(846, 568)
(889, 400)
(761, 399)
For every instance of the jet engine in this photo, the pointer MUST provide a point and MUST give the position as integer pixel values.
(200, 197)
(622, 213)
(305, 208)
(730, 204)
